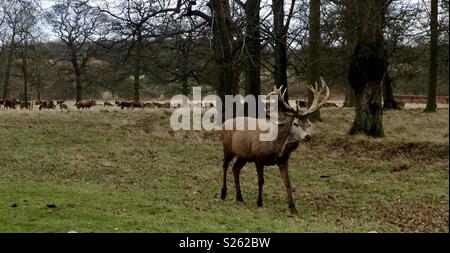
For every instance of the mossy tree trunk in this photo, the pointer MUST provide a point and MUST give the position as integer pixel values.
(367, 68)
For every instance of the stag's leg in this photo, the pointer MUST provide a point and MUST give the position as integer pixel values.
(284, 174)
(236, 172)
(226, 162)
(260, 170)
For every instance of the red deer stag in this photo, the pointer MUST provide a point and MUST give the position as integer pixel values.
(246, 146)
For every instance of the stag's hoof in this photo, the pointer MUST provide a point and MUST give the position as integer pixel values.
(293, 211)
(239, 199)
(223, 194)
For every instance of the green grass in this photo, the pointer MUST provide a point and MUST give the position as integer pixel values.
(125, 171)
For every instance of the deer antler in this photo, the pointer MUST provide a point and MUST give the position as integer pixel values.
(317, 93)
(316, 104)
(289, 110)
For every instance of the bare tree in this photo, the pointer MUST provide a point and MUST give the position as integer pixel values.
(78, 25)
(226, 45)
(13, 16)
(26, 36)
(280, 34)
(38, 68)
(139, 21)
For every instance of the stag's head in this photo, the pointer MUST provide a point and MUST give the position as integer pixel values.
(300, 124)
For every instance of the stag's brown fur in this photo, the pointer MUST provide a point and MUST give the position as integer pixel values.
(245, 144)
(246, 147)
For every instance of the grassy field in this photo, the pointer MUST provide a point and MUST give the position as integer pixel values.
(125, 171)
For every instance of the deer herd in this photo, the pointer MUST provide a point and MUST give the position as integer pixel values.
(50, 104)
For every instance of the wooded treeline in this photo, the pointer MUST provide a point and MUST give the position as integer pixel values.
(135, 49)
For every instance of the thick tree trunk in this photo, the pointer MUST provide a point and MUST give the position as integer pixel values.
(253, 48)
(368, 67)
(314, 53)
(224, 50)
(388, 94)
(432, 83)
(368, 118)
(8, 67)
(137, 66)
(280, 49)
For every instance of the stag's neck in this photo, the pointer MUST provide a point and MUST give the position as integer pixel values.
(285, 143)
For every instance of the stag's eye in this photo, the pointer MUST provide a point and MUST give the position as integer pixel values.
(296, 124)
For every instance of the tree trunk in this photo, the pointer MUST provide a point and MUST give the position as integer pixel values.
(184, 64)
(388, 94)
(368, 118)
(314, 53)
(432, 82)
(25, 74)
(185, 83)
(349, 34)
(368, 67)
(137, 66)
(78, 87)
(350, 99)
(253, 48)
(225, 53)
(280, 49)
(9, 66)
(38, 91)
(77, 72)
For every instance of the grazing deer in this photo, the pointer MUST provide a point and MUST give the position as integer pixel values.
(137, 105)
(124, 104)
(85, 104)
(246, 146)
(26, 105)
(47, 105)
(11, 104)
